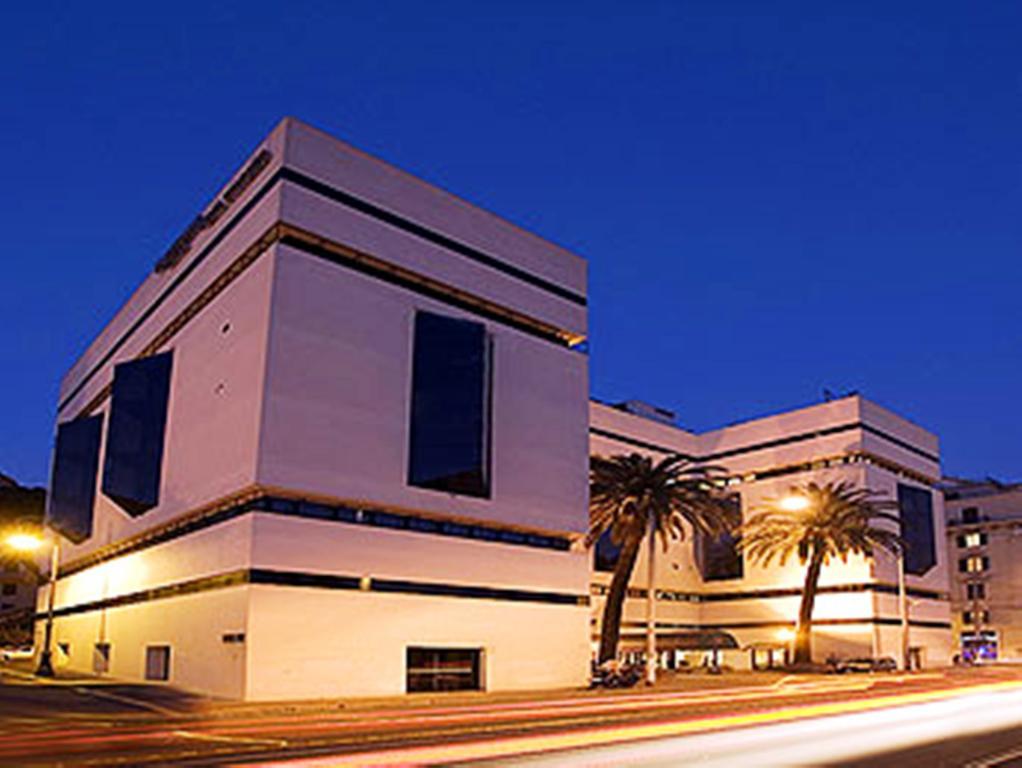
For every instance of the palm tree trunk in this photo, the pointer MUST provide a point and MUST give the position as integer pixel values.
(803, 633)
(610, 631)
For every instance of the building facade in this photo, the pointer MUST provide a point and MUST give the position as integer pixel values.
(336, 444)
(712, 605)
(984, 526)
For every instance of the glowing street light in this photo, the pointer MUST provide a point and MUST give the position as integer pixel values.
(28, 542)
(24, 542)
(794, 503)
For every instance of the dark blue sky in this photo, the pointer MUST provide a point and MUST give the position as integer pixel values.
(773, 198)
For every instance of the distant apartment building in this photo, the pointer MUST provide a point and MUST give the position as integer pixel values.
(713, 606)
(337, 444)
(984, 526)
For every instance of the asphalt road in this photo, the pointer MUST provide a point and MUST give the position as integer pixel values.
(104, 724)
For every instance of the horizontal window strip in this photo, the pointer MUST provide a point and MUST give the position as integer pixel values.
(779, 471)
(427, 234)
(338, 513)
(301, 579)
(781, 441)
(637, 443)
(768, 594)
(886, 621)
(378, 269)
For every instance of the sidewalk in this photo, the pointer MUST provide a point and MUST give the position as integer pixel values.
(167, 701)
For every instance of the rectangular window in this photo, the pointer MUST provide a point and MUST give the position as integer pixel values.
(10, 589)
(138, 420)
(915, 507)
(73, 478)
(157, 662)
(974, 539)
(606, 554)
(719, 558)
(101, 658)
(444, 669)
(970, 515)
(450, 411)
(976, 590)
(974, 564)
(975, 617)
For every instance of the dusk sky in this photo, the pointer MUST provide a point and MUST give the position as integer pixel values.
(773, 198)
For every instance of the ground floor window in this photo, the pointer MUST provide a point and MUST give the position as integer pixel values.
(157, 662)
(444, 669)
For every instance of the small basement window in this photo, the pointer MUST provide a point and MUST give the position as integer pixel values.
(157, 662)
(444, 669)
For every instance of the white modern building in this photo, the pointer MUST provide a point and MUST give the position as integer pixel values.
(336, 444)
(712, 605)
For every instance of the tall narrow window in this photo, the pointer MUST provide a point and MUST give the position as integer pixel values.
(915, 506)
(138, 419)
(450, 413)
(606, 553)
(719, 558)
(73, 479)
(157, 662)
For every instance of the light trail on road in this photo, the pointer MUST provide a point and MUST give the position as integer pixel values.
(813, 734)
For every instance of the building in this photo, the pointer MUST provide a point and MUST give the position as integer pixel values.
(712, 605)
(984, 529)
(334, 444)
(337, 444)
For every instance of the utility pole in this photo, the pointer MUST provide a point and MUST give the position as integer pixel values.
(651, 654)
(45, 668)
(903, 609)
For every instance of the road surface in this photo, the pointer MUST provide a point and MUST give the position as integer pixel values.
(826, 720)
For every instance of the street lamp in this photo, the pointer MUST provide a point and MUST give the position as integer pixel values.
(794, 503)
(27, 542)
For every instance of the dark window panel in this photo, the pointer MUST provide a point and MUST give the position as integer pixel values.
(970, 515)
(73, 482)
(718, 558)
(443, 669)
(450, 410)
(915, 507)
(138, 420)
(607, 553)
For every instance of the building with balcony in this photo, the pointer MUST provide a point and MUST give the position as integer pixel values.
(984, 529)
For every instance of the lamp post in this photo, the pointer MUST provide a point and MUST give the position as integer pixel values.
(26, 542)
(651, 655)
(903, 609)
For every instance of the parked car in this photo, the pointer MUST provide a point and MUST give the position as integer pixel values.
(865, 664)
(615, 674)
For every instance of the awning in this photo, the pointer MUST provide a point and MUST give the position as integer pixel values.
(698, 640)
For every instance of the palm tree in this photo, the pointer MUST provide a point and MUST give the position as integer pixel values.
(632, 494)
(818, 523)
